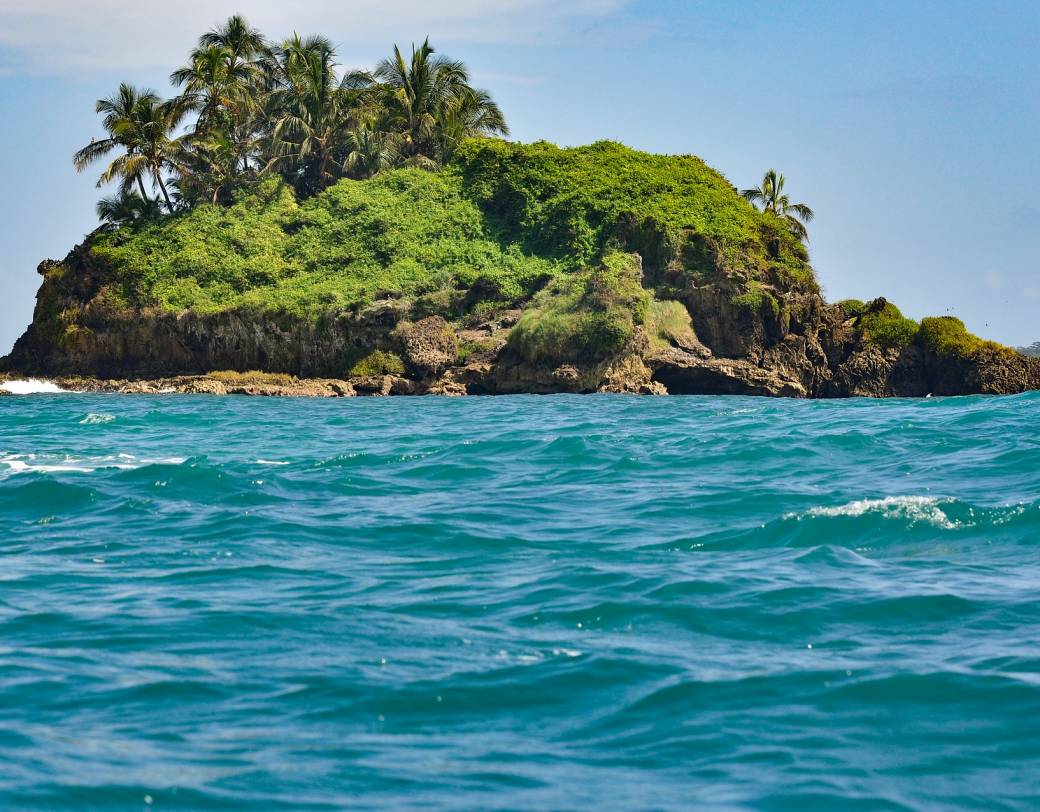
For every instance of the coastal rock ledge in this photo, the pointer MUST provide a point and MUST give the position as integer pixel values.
(821, 354)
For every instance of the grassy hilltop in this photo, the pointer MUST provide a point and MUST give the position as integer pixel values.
(502, 220)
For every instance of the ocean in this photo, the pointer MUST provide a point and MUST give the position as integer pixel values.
(519, 603)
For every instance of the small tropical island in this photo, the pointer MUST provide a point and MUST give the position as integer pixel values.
(281, 227)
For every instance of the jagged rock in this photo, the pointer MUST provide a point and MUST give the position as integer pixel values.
(566, 376)
(795, 345)
(378, 385)
(428, 346)
(384, 385)
(686, 374)
(447, 389)
(205, 386)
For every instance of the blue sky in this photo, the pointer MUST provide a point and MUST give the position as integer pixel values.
(911, 128)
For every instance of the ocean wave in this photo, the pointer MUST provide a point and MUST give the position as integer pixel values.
(914, 509)
(30, 386)
(71, 463)
(97, 419)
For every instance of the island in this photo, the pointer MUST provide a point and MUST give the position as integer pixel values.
(319, 234)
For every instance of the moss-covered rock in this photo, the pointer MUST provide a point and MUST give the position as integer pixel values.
(378, 362)
(947, 337)
(428, 346)
(882, 324)
(586, 317)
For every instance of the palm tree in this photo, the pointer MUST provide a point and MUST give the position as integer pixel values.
(256, 108)
(208, 169)
(426, 93)
(368, 151)
(246, 44)
(121, 114)
(214, 83)
(472, 113)
(224, 83)
(152, 135)
(125, 208)
(771, 195)
(313, 114)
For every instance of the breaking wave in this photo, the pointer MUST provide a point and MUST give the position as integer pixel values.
(30, 386)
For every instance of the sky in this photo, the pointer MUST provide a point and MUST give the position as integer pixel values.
(910, 128)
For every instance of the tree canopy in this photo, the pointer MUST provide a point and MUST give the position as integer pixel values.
(255, 108)
(775, 201)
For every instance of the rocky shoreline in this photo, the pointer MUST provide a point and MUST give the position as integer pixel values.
(707, 338)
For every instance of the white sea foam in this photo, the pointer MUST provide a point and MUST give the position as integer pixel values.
(272, 462)
(94, 419)
(911, 508)
(32, 386)
(67, 463)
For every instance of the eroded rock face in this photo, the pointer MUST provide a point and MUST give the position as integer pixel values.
(682, 373)
(802, 347)
(428, 346)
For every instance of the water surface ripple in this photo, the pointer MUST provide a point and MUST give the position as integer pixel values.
(519, 603)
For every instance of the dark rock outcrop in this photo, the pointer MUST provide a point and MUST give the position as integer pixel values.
(796, 346)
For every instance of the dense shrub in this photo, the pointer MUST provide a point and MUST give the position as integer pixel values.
(406, 231)
(888, 328)
(586, 317)
(850, 308)
(947, 337)
(501, 222)
(575, 203)
(378, 362)
(757, 300)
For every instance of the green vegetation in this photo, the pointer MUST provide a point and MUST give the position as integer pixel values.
(272, 183)
(771, 195)
(406, 232)
(257, 108)
(378, 362)
(757, 300)
(253, 378)
(947, 337)
(584, 317)
(447, 239)
(576, 203)
(851, 308)
(668, 323)
(888, 328)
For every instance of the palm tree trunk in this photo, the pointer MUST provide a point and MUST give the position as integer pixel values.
(140, 185)
(165, 194)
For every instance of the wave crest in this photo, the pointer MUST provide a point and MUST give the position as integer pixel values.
(914, 509)
(68, 463)
(30, 386)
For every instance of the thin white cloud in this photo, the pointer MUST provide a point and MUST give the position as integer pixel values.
(56, 36)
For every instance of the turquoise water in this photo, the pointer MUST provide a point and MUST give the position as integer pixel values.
(529, 603)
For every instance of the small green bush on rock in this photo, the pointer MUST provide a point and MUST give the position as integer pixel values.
(757, 300)
(947, 337)
(584, 317)
(850, 308)
(378, 362)
(888, 328)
